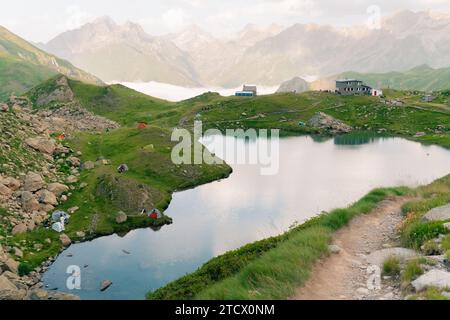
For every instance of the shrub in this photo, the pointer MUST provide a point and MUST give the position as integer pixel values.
(25, 268)
(417, 233)
(431, 248)
(446, 243)
(391, 266)
(412, 270)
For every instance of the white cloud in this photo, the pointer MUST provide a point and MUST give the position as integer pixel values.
(175, 18)
(76, 17)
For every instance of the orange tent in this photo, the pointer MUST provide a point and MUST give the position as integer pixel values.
(61, 137)
(142, 125)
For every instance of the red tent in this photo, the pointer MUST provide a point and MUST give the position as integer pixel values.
(142, 125)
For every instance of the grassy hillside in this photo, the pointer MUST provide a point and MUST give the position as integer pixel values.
(102, 192)
(147, 153)
(23, 66)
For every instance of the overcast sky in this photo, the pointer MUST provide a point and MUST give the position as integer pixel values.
(41, 20)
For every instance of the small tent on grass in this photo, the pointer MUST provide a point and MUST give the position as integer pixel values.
(122, 168)
(142, 125)
(57, 215)
(154, 214)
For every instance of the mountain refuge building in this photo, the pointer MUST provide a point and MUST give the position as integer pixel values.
(350, 87)
(247, 91)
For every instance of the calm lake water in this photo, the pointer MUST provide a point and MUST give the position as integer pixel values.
(214, 218)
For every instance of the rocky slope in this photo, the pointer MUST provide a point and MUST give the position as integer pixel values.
(37, 173)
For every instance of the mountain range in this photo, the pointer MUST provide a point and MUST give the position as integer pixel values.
(266, 56)
(22, 66)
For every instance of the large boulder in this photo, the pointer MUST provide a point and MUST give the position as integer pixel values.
(438, 214)
(5, 192)
(47, 197)
(12, 265)
(65, 240)
(8, 291)
(42, 144)
(88, 165)
(121, 217)
(18, 229)
(11, 183)
(328, 124)
(57, 188)
(29, 202)
(33, 182)
(433, 278)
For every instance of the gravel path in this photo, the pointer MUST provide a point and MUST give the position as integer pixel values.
(347, 275)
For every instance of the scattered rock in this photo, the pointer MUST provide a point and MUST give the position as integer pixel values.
(447, 226)
(378, 257)
(39, 294)
(71, 179)
(29, 202)
(57, 188)
(12, 265)
(5, 192)
(73, 210)
(80, 234)
(329, 124)
(18, 229)
(335, 249)
(11, 183)
(419, 134)
(47, 197)
(42, 144)
(33, 182)
(65, 240)
(438, 214)
(88, 165)
(105, 285)
(18, 253)
(433, 278)
(121, 217)
(8, 291)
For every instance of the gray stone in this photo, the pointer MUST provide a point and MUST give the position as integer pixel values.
(433, 278)
(378, 257)
(88, 165)
(47, 197)
(8, 291)
(438, 214)
(335, 249)
(5, 192)
(12, 265)
(57, 188)
(105, 285)
(39, 294)
(42, 144)
(121, 217)
(447, 226)
(18, 229)
(65, 240)
(33, 182)
(29, 202)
